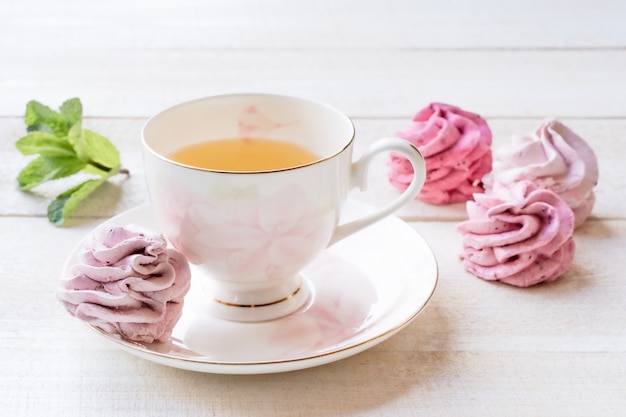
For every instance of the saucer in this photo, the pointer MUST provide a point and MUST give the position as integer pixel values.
(364, 289)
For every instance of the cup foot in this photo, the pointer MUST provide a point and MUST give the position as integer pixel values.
(251, 306)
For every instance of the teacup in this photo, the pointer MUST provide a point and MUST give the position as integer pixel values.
(250, 233)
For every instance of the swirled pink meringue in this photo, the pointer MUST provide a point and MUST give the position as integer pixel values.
(519, 234)
(128, 282)
(456, 146)
(554, 157)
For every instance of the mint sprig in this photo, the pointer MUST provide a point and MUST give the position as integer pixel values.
(65, 148)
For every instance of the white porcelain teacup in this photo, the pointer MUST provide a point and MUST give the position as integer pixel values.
(252, 232)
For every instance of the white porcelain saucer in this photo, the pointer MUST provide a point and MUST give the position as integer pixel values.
(365, 289)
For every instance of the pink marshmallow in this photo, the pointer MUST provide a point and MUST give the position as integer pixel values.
(456, 146)
(553, 157)
(519, 234)
(127, 281)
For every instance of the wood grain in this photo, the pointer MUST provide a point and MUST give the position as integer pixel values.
(479, 348)
(604, 136)
(311, 24)
(361, 83)
(556, 347)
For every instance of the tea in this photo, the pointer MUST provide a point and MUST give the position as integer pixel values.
(244, 154)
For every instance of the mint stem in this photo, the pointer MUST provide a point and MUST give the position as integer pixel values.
(100, 166)
(106, 169)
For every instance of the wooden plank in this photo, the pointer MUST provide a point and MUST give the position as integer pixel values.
(605, 137)
(557, 349)
(465, 314)
(577, 312)
(88, 381)
(479, 348)
(387, 83)
(121, 193)
(311, 24)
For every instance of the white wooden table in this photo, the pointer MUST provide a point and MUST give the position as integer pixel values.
(478, 348)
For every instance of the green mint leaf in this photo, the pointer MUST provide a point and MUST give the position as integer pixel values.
(61, 208)
(45, 144)
(72, 109)
(40, 128)
(39, 117)
(76, 138)
(101, 151)
(64, 148)
(94, 148)
(43, 169)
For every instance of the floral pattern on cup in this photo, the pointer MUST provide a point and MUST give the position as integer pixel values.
(339, 311)
(341, 308)
(251, 233)
(254, 123)
(251, 238)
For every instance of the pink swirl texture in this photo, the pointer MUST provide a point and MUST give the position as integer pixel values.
(456, 146)
(554, 157)
(128, 282)
(519, 234)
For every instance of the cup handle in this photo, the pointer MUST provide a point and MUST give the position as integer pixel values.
(358, 178)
